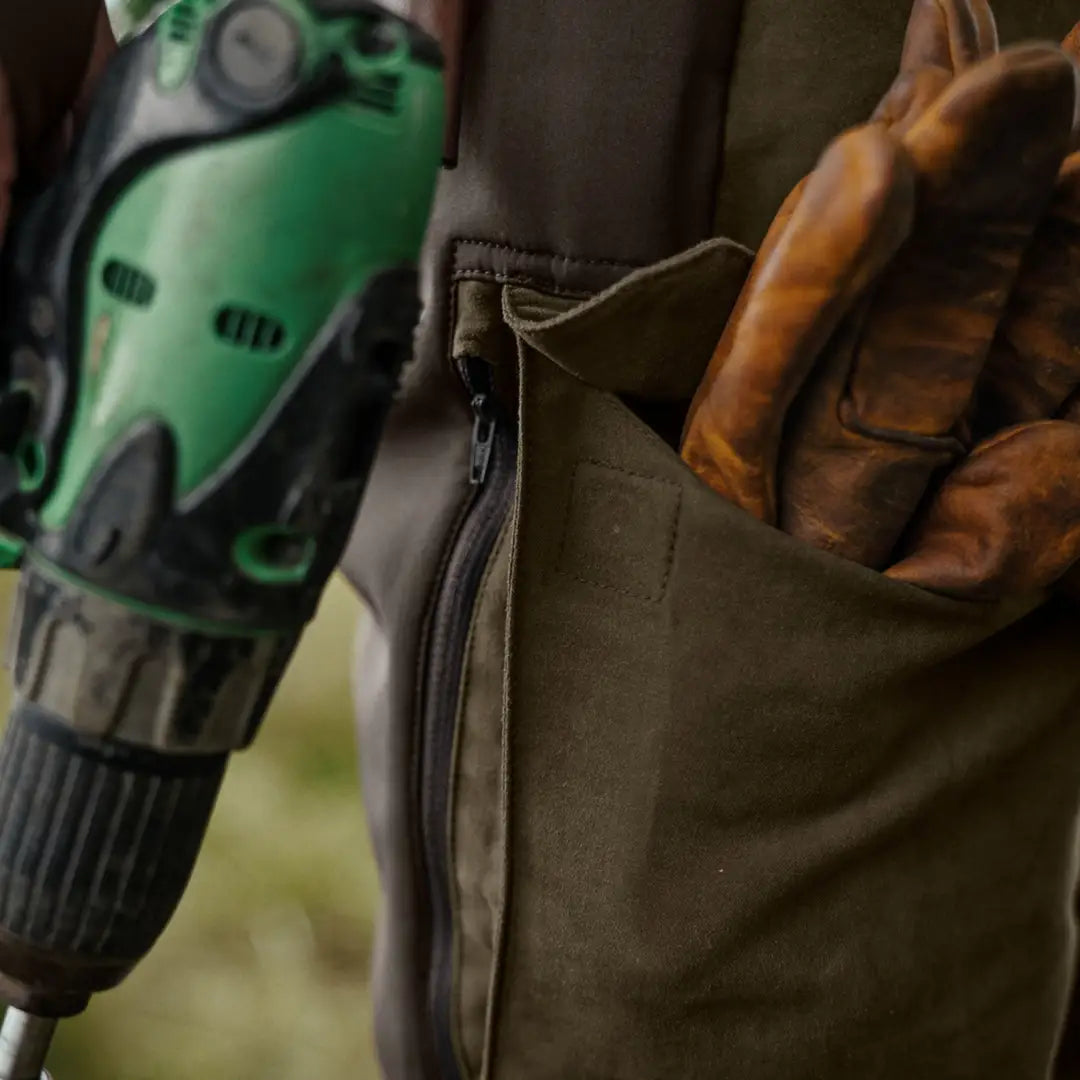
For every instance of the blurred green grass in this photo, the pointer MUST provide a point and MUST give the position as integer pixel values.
(263, 973)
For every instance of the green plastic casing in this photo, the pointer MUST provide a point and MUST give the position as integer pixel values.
(215, 269)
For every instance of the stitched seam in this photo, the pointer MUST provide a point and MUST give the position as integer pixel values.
(628, 472)
(461, 241)
(452, 311)
(850, 420)
(501, 951)
(419, 696)
(509, 279)
(669, 557)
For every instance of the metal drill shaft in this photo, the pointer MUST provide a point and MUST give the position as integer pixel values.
(24, 1045)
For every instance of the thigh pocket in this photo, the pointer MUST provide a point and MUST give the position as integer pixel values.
(620, 530)
(757, 795)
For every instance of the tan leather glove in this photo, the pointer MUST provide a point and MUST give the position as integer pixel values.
(839, 391)
(1008, 518)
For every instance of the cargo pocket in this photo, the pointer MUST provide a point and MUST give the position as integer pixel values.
(769, 814)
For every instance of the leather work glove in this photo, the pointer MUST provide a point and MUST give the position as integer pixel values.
(841, 390)
(51, 52)
(1008, 517)
(1033, 371)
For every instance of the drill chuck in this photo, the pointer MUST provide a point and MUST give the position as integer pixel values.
(109, 770)
(97, 843)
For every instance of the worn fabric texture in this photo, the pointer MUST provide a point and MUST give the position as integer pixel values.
(887, 735)
(477, 825)
(568, 176)
(826, 63)
(832, 833)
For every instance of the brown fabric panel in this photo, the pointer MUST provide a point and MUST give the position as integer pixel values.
(688, 298)
(591, 130)
(479, 329)
(1021, 20)
(620, 530)
(803, 72)
(806, 71)
(423, 463)
(478, 832)
(565, 158)
(784, 819)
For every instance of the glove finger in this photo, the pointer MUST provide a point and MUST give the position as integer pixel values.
(943, 38)
(830, 240)
(1006, 521)
(989, 43)
(950, 34)
(1033, 366)
(883, 417)
(987, 155)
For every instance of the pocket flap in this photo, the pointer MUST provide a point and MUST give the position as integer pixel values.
(649, 336)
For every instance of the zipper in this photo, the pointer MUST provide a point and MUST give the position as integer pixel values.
(492, 471)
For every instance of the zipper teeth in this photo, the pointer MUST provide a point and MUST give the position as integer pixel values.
(491, 473)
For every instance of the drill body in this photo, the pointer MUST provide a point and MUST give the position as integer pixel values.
(206, 318)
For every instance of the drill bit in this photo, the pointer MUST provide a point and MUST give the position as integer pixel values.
(24, 1044)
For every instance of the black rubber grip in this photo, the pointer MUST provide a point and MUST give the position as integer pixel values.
(97, 840)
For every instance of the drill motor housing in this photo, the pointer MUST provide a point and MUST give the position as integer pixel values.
(208, 315)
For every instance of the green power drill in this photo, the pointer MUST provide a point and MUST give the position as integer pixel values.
(207, 317)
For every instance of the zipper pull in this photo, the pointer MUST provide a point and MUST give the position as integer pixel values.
(477, 375)
(483, 439)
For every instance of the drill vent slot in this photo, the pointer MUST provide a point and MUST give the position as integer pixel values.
(381, 92)
(128, 283)
(183, 19)
(249, 330)
(182, 22)
(178, 30)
